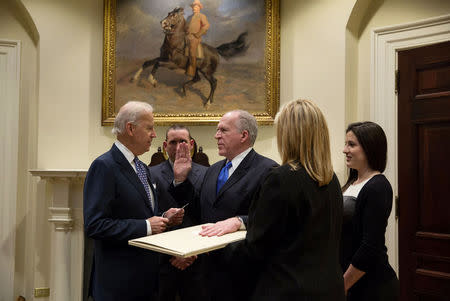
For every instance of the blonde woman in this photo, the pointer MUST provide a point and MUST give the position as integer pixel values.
(294, 225)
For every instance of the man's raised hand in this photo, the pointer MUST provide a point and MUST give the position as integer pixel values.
(183, 163)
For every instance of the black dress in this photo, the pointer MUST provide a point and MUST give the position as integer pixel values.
(292, 243)
(363, 242)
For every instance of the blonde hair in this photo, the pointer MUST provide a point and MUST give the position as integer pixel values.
(303, 139)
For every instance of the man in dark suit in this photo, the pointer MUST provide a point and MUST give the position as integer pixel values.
(120, 204)
(178, 276)
(228, 188)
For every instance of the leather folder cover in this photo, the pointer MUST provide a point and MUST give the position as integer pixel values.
(186, 242)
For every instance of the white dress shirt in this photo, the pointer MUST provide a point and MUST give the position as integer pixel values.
(237, 160)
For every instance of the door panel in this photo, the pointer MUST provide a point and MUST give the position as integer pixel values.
(424, 172)
(434, 213)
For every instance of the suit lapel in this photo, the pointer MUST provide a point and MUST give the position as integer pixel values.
(167, 172)
(130, 174)
(238, 173)
(155, 200)
(193, 175)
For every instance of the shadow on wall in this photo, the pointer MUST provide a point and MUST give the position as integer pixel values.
(361, 14)
(24, 18)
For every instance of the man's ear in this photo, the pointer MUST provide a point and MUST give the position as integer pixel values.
(191, 143)
(244, 136)
(164, 144)
(129, 127)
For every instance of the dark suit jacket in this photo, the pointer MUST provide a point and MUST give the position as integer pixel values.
(162, 177)
(115, 209)
(189, 283)
(233, 199)
(293, 238)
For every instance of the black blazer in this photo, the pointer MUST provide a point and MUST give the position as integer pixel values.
(162, 177)
(235, 195)
(293, 238)
(115, 209)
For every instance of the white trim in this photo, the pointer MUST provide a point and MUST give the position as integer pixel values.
(66, 214)
(58, 173)
(386, 42)
(9, 129)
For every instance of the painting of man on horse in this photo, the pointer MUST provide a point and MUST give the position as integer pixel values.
(230, 70)
(196, 26)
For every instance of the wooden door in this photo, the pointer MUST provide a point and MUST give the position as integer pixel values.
(424, 172)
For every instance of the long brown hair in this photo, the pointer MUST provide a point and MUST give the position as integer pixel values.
(303, 139)
(373, 141)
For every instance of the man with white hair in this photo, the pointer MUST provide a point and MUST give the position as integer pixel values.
(227, 190)
(121, 204)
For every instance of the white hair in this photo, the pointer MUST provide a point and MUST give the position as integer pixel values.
(247, 122)
(130, 112)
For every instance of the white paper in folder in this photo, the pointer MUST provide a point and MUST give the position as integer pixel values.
(186, 242)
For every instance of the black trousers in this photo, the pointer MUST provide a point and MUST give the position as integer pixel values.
(186, 285)
(227, 281)
(367, 290)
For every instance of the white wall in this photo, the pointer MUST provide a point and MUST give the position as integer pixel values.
(69, 80)
(313, 61)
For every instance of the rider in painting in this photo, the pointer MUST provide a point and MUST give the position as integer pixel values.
(196, 26)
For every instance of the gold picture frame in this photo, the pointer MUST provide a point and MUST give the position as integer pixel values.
(269, 83)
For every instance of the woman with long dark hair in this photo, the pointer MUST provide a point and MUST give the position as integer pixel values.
(367, 206)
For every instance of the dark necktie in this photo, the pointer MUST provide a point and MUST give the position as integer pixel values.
(223, 176)
(142, 175)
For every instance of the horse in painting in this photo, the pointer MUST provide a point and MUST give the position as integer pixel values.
(173, 55)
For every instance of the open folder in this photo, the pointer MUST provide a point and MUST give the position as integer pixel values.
(186, 242)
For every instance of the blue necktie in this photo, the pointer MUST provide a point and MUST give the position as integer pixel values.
(223, 176)
(142, 175)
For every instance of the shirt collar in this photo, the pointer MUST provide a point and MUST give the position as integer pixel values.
(170, 162)
(126, 152)
(238, 159)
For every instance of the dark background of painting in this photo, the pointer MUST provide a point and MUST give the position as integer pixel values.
(240, 79)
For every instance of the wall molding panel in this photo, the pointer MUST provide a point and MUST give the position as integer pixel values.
(9, 133)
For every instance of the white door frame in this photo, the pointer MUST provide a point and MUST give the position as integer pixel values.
(386, 42)
(9, 133)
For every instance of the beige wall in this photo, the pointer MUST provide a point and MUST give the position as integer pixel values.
(69, 81)
(323, 58)
(384, 13)
(313, 61)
